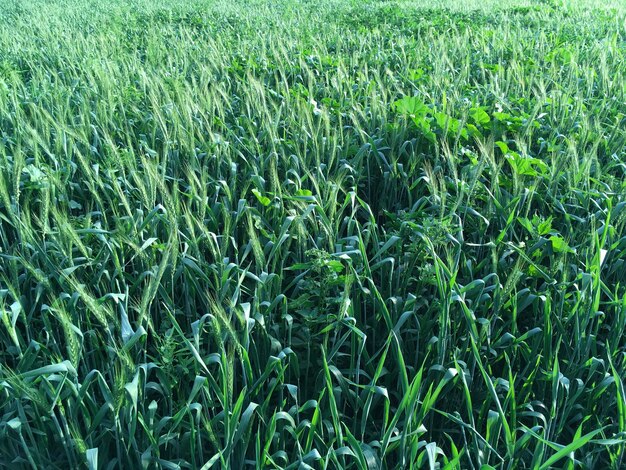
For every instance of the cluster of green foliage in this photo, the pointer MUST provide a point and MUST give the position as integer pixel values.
(312, 234)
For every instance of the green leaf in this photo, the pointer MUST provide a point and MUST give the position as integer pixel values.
(411, 106)
(527, 224)
(504, 148)
(545, 227)
(559, 245)
(479, 116)
(335, 265)
(262, 199)
(570, 448)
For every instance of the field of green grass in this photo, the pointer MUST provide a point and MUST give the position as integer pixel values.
(327, 234)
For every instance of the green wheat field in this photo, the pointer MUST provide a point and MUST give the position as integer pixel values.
(324, 234)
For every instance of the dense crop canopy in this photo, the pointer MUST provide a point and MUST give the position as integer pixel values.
(312, 234)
